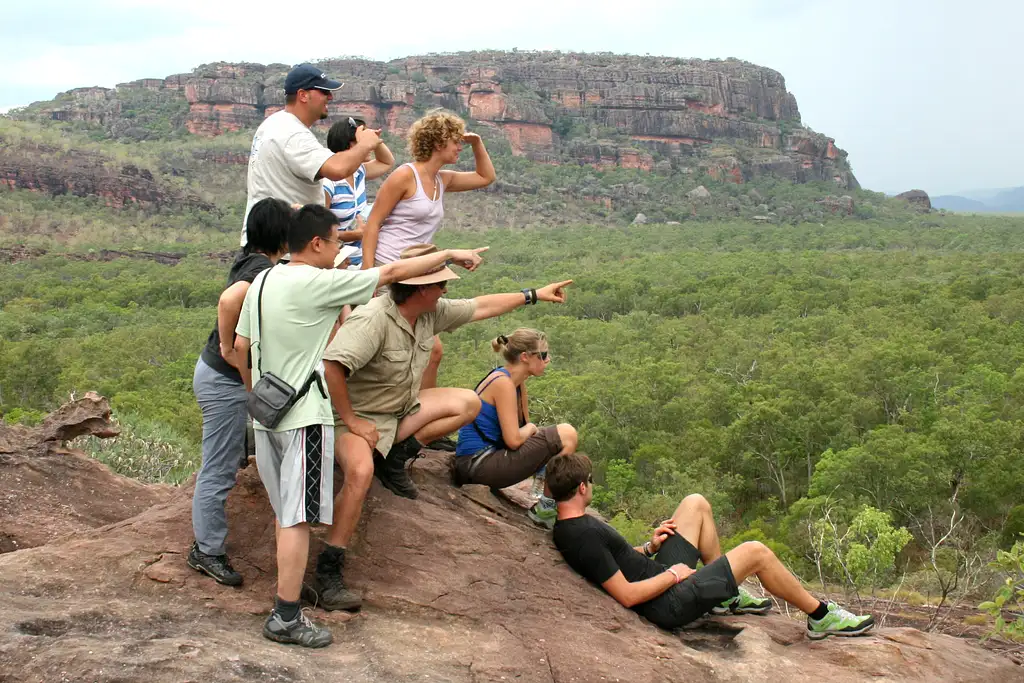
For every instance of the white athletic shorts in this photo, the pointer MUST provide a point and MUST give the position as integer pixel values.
(297, 469)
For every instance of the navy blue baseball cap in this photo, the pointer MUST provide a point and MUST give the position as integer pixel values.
(308, 77)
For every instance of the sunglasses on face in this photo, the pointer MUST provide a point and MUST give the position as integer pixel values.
(543, 355)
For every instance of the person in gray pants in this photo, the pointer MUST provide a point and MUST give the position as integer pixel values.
(221, 394)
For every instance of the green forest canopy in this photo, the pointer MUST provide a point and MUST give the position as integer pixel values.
(779, 370)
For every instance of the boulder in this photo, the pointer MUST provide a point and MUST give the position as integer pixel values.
(700, 192)
(640, 219)
(918, 199)
(458, 586)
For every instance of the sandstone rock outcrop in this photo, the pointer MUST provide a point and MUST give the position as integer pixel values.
(82, 173)
(919, 199)
(48, 491)
(458, 586)
(599, 109)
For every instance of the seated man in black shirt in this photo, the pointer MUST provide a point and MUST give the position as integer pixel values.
(668, 590)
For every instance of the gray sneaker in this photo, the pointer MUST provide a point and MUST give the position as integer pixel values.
(300, 631)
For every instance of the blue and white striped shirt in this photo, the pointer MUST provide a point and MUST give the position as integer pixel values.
(347, 202)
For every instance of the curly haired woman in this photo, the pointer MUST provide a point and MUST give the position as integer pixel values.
(409, 205)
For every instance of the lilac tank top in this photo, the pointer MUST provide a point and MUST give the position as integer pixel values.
(412, 221)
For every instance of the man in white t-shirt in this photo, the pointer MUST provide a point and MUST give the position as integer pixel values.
(286, 319)
(286, 160)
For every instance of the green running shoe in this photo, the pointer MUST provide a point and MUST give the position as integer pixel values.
(544, 513)
(839, 622)
(744, 603)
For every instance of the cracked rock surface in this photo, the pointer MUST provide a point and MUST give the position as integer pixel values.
(458, 586)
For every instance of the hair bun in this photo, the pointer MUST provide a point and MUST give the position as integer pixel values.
(502, 339)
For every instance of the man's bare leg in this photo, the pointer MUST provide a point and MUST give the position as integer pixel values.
(292, 556)
(442, 412)
(755, 558)
(429, 379)
(695, 523)
(355, 458)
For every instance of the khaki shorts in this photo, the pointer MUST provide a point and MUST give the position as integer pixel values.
(386, 423)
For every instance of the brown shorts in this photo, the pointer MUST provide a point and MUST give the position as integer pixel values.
(502, 467)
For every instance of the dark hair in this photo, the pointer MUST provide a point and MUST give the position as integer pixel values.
(342, 134)
(266, 226)
(291, 99)
(401, 293)
(564, 473)
(312, 220)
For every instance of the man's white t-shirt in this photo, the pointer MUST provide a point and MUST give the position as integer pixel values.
(300, 305)
(284, 163)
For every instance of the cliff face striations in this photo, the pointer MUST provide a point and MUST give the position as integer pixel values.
(731, 119)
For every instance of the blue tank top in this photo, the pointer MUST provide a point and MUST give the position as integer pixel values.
(485, 431)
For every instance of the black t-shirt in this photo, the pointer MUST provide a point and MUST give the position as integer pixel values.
(596, 551)
(245, 269)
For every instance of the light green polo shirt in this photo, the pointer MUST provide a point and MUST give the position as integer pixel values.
(300, 306)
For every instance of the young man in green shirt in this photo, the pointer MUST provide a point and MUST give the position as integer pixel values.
(287, 329)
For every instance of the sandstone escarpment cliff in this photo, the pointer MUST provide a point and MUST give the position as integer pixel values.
(731, 119)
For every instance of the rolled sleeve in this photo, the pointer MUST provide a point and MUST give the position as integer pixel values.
(356, 342)
(453, 314)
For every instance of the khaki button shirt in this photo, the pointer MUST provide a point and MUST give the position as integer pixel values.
(386, 357)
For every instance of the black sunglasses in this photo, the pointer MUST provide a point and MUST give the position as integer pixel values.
(543, 355)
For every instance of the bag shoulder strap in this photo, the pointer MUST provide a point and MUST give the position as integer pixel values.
(259, 319)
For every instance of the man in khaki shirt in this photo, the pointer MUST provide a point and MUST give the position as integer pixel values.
(373, 368)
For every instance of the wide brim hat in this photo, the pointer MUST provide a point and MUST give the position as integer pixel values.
(440, 274)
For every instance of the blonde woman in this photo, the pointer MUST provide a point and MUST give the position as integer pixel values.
(501, 447)
(410, 204)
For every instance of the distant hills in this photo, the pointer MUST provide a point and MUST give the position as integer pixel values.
(983, 201)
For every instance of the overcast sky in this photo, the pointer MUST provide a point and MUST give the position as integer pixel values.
(921, 93)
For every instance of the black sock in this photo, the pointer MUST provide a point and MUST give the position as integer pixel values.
(819, 613)
(288, 611)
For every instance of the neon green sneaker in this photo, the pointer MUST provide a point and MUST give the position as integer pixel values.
(839, 622)
(544, 513)
(744, 603)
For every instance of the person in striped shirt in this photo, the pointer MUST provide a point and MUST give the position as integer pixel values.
(346, 198)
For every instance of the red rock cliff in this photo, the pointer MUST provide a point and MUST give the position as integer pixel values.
(598, 109)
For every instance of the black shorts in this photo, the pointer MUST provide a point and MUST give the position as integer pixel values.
(694, 597)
